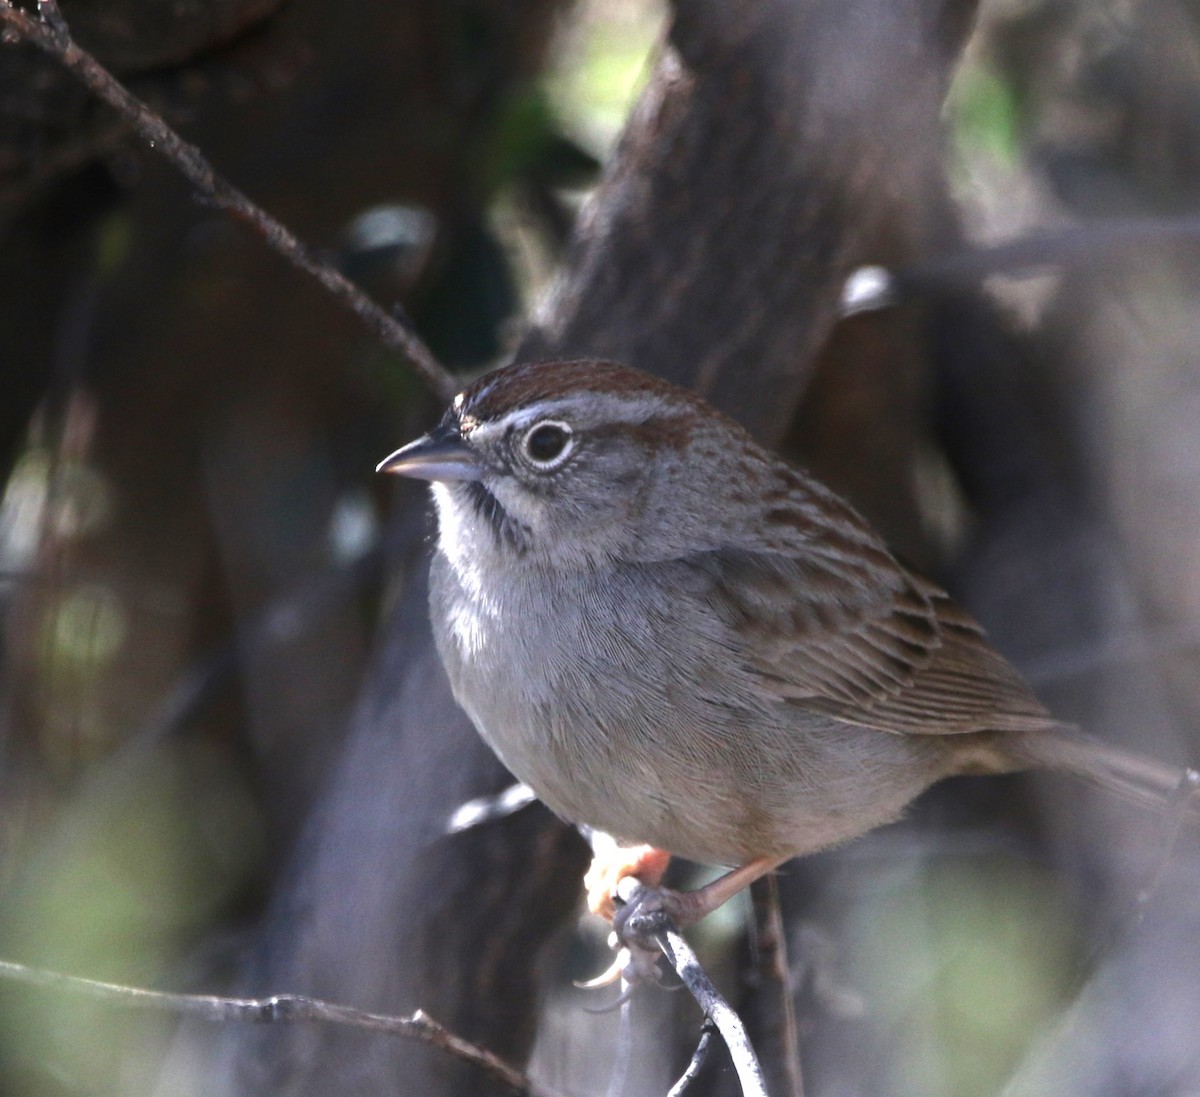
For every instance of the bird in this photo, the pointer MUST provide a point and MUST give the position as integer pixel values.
(679, 638)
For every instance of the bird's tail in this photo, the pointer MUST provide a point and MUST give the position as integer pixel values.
(1133, 777)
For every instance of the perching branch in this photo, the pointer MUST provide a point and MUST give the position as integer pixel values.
(49, 33)
(280, 1009)
(642, 928)
(681, 957)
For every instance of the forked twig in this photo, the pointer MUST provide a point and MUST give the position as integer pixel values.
(49, 33)
(643, 928)
(698, 1059)
(680, 956)
(279, 1009)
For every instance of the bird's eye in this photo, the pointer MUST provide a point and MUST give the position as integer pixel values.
(548, 443)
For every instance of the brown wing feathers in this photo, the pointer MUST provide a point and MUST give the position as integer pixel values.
(892, 651)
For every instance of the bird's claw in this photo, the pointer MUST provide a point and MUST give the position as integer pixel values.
(641, 912)
(631, 965)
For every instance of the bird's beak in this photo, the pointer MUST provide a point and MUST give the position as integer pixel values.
(439, 455)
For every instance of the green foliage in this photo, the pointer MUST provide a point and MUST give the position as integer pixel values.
(967, 962)
(135, 865)
(983, 113)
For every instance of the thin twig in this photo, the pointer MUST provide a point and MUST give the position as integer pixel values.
(777, 1011)
(1181, 800)
(1047, 250)
(50, 34)
(681, 957)
(699, 1056)
(873, 287)
(279, 1009)
(643, 925)
(1108, 956)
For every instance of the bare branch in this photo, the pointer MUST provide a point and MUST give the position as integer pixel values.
(280, 1009)
(643, 926)
(681, 957)
(874, 287)
(778, 1014)
(487, 809)
(698, 1059)
(50, 34)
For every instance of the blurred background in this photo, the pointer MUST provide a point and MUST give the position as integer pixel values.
(227, 754)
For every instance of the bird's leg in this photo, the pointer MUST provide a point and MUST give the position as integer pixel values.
(688, 907)
(624, 887)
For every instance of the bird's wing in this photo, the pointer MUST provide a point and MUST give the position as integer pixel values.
(833, 623)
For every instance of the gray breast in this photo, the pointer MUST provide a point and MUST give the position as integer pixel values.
(630, 710)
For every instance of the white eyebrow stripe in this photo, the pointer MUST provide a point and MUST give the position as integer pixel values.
(616, 410)
(520, 417)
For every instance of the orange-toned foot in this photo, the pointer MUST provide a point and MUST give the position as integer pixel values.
(684, 908)
(612, 863)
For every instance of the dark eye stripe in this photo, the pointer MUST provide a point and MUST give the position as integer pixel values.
(504, 527)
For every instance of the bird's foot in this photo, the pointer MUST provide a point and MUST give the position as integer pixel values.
(641, 913)
(641, 908)
(612, 863)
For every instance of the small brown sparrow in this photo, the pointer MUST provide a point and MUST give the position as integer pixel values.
(676, 637)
